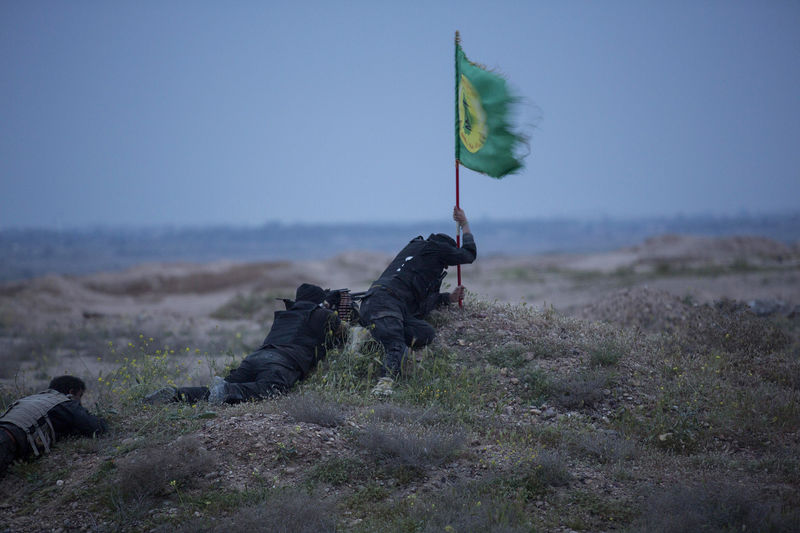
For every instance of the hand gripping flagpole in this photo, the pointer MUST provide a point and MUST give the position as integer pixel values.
(458, 224)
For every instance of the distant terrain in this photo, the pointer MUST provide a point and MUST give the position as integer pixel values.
(27, 253)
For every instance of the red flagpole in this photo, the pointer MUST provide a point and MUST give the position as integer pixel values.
(458, 236)
(458, 205)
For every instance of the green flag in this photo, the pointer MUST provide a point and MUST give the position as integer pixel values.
(484, 139)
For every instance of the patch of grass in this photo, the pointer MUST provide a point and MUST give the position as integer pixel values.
(155, 471)
(722, 507)
(509, 355)
(401, 447)
(312, 408)
(284, 510)
(34, 479)
(538, 384)
(136, 377)
(699, 398)
(362, 501)
(398, 414)
(605, 447)
(581, 390)
(677, 428)
(780, 371)
(548, 470)
(440, 382)
(470, 507)
(754, 414)
(731, 327)
(782, 460)
(464, 506)
(548, 348)
(592, 511)
(337, 471)
(607, 353)
(216, 502)
(530, 474)
(350, 370)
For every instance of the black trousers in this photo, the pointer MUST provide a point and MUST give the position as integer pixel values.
(10, 445)
(262, 375)
(391, 325)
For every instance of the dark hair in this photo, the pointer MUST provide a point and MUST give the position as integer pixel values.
(442, 237)
(67, 384)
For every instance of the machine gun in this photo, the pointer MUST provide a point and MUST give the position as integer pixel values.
(344, 302)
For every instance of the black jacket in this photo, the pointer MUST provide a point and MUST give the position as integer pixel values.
(72, 418)
(415, 275)
(302, 334)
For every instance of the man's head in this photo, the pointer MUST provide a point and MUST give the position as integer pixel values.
(68, 385)
(442, 237)
(310, 293)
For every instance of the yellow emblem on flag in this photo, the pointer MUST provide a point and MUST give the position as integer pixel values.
(471, 116)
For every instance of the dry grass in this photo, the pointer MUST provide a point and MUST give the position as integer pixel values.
(605, 447)
(312, 408)
(470, 506)
(398, 446)
(581, 390)
(283, 511)
(398, 414)
(140, 479)
(159, 470)
(715, 507)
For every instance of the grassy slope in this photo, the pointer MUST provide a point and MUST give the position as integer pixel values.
(515, 420)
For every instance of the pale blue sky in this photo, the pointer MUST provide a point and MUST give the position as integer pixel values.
(198, 113)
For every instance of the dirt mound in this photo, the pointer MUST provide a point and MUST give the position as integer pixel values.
(689, 248)
(675, 252)
(649, 309)
(176, 278)
(726, 324)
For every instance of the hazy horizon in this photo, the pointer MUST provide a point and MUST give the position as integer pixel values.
(435, 222)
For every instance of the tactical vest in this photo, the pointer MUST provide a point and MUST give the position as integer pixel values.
(419, 273)
(291, 327)
(31, 415)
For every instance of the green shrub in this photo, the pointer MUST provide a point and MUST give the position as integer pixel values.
(510, 355)
(607, 353)
(338, 471)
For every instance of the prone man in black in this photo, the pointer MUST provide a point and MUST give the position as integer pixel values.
(397, 302)
(33, 423)
(298, 340)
